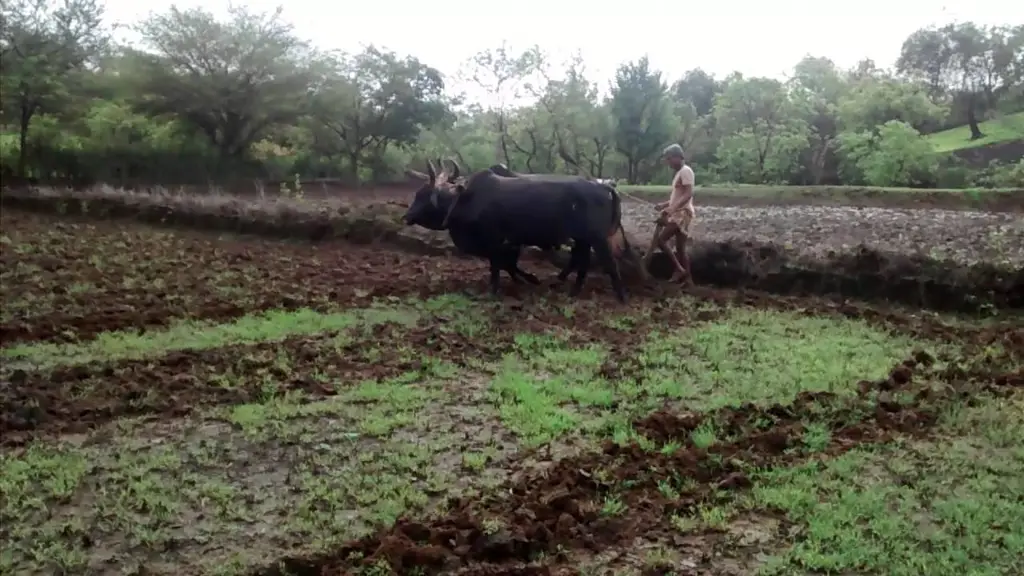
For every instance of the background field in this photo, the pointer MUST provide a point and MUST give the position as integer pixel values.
(1008, 128)
(1008, 199)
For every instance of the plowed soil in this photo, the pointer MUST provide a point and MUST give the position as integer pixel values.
(117, 277)
(92, 277)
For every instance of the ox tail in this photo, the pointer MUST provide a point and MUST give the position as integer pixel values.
(616, 233)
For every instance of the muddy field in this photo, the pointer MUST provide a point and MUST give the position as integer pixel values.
(966, 261)
(175, 402)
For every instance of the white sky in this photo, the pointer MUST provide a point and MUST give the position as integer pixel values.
(757, 38)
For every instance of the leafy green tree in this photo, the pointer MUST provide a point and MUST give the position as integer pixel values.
(44, 46)
(505, 77)
(817, 88)
(581, 125)
(970, 64)
(232, 80)
(894, 155)
(765, 134)
(641, 108)
(376, 99)
(877, 98)
(694, 98)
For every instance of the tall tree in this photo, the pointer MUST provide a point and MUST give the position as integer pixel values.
(766, 135)
(965, 62)
(375, 99)
(43, 43)
(581, 126)
(640, 107)
(694, 95)
(817, 87)
(232, 80)
(505, 77)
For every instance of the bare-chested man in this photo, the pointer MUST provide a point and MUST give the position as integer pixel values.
(677, 214)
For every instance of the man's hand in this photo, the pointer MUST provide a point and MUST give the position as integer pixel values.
(661, 205)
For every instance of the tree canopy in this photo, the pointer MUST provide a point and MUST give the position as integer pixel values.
(202, 99)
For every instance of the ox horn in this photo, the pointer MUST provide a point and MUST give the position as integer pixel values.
(433, 181)
(455, 168)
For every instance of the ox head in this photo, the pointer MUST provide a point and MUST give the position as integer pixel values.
(460, 192)
(431, 203)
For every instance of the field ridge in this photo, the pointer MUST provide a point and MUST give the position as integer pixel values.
(860, 272)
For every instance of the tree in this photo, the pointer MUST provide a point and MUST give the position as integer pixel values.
(765, 133)
(43, 44)
(968, 63)
(817, 88)
(231, 80)
(699, 89)
(504, 76)
(894, 155)
(876, 99)
(694, 95)
(581, 126)
(640, 109)
(374, 99)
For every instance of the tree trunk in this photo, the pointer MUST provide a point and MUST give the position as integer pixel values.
(353, 167)
(972, 119)
(26, 117)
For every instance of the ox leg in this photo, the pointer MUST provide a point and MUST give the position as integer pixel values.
(604, 256)
(574, 264)
(581, 256)
(527, 276)
(496, 266)
(513, 269)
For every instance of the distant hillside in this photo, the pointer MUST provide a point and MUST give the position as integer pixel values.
(998, 130)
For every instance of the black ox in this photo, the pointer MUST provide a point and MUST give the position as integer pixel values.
(493, 217)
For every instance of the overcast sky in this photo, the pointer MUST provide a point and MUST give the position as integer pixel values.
(755, 37)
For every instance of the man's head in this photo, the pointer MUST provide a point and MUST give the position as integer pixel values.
(673, 156)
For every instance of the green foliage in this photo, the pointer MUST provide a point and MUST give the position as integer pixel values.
(896, 155)
(1002, 175)
(205, 99)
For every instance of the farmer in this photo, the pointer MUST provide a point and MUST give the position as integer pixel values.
(677, 214)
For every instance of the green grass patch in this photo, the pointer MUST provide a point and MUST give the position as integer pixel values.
(546, 389)
(263, 327)
(1003, 129)
(765, 357)
(243, 485)
(946, 507)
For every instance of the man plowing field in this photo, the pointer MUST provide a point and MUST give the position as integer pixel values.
(676, 216)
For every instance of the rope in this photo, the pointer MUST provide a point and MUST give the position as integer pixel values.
(638, 199)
